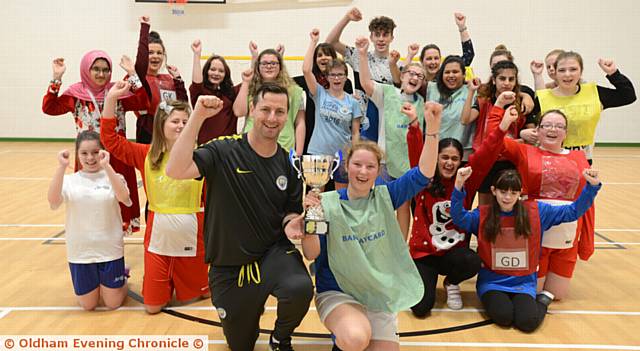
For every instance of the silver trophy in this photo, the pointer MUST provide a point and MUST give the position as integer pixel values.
(315, 171)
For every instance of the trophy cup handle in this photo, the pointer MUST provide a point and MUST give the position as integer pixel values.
(337, 160)
(293, 158)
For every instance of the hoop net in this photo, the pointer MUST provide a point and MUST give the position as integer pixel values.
(177, 6)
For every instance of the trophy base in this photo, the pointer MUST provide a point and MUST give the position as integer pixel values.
(316, 227)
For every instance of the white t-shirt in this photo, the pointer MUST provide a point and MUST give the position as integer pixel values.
(93, 226)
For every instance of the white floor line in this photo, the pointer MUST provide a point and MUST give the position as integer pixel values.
(469, 345)
(20, 225)
(27, 225)
(25, 178)
(59, 239)
(273, 308)
(4, 313)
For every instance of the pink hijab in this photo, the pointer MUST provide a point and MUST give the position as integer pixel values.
(80, 90)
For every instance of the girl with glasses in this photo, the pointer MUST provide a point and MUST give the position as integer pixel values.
(323, 55)
(338, 114)
(268, 66)
(85, 101)
(550, 173)
(398, 108)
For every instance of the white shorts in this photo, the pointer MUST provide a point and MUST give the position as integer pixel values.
(384, 325)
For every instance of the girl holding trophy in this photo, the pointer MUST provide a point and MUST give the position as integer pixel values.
(359, 289)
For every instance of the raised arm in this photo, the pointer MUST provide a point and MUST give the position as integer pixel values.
(537, 68)
(130, 153)
(394, 56)
(467, 47)
(362, 44)
(334, 36)
(623, 94)
(142, 57)
(117, 181)
(196, 70)
(469, 114)
(54, 194)
(241, 103)
(429, 155)
(307, 64)
(52, 104)
(467, 220)
(181, 164)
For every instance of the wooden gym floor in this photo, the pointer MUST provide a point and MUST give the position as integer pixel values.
(602, 311)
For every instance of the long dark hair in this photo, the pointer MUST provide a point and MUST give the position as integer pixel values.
(445, 92)
(326, 49)
(488, 90)
(436, 188)
(507, 180)
(226, 86)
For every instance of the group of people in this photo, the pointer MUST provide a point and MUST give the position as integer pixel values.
(420, 139)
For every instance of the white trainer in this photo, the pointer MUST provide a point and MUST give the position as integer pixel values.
(454, 297)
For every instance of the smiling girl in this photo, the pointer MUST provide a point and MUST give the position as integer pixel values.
(95, 247)
(509, 232)
(85, 100)
(214, 78)
(173, 242)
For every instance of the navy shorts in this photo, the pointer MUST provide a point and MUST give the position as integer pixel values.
(340, 175)
(88, 276)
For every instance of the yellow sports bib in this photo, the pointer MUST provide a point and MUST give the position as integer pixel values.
(168, 195)
(582, 110)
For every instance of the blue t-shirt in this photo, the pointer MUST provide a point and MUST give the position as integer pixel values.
(549, 216)
(400, 190)
(332, 131)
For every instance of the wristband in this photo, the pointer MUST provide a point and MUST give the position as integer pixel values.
(135, 82)
(54, 85)
(462, 29)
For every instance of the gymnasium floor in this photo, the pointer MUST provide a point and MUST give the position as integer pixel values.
(602, 312)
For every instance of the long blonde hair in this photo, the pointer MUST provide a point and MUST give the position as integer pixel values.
(158, 140)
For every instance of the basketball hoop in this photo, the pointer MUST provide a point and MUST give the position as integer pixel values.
(177, 7)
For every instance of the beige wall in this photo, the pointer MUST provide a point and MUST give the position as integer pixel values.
(33, 32)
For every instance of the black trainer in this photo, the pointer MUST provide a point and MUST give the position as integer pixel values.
(280, 346)
(545, 297)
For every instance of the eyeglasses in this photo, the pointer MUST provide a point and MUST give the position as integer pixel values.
(415, 74)
(336, 75)
(98, 70)
(269, 64)
(553, 126)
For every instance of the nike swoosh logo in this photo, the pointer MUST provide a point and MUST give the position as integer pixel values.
(240, 171)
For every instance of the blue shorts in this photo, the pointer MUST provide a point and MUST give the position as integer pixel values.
(88, 276)
(340, 175)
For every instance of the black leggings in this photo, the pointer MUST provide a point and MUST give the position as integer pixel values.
(457, 264)
(283, 275)
(521, 310)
